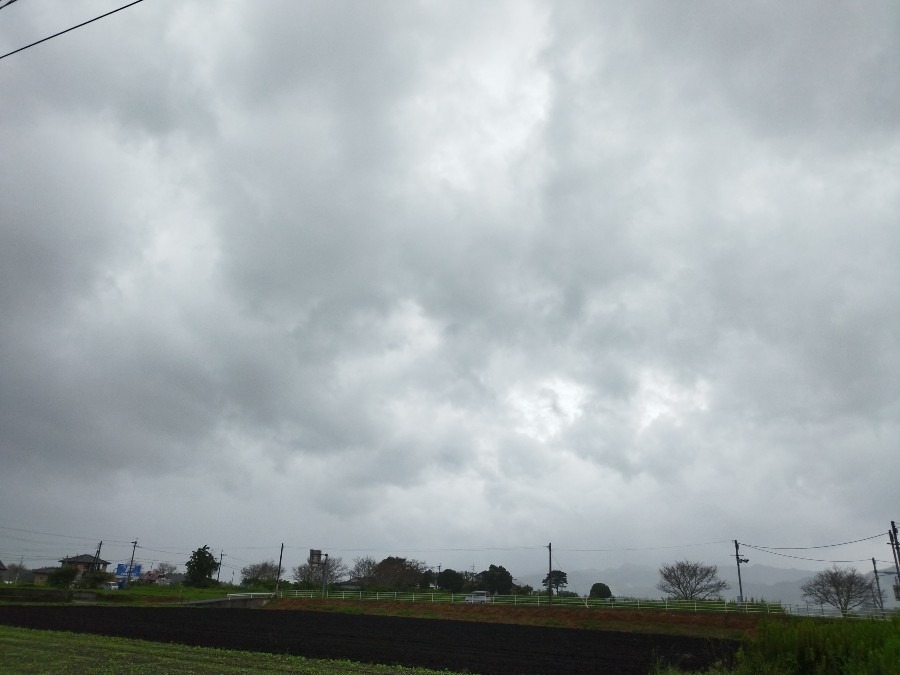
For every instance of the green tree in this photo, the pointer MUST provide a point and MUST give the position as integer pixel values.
(62, 577)
(201, 567)
(555, 580)
(601, 591)
(450, 580)
(522, 589)
(398, 574)
(689, 580)
(497, 580)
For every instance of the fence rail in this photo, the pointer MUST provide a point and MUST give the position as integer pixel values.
(611, 604)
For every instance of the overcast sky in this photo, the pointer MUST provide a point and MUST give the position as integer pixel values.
(450, 280)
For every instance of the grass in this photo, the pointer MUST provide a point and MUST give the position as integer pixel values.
(138, 594)
(23, 650)
(795, 646)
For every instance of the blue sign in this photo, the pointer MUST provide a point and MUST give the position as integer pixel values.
(122, 570)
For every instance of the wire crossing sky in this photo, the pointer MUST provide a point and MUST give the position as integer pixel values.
(50, 37)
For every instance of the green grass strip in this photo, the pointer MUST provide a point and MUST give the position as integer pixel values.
(23, 650)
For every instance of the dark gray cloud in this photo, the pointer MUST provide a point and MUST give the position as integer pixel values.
(404, 279)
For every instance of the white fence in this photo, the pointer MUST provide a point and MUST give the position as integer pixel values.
(611, 604)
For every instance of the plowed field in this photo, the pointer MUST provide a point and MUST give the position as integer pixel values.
(467, 646)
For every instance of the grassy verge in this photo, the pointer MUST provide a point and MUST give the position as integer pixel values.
(818, 647)
(23, 650)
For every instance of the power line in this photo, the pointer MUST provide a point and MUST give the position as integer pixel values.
(796, 557)
(65, 536)
(644, 548)
(7, 4)
(807, 548)
(63, 32)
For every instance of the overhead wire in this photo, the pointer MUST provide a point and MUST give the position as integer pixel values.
(67, 30)
(797, 557)
(643, 548)
(807, 548)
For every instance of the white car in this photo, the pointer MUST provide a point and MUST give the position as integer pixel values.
(478, 597)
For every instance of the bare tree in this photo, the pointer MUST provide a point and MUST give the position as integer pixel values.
(265, 572)
(842, 588)
(689, 580)
(363, 570)
(333, 568)
(166, 568)
(13, 571)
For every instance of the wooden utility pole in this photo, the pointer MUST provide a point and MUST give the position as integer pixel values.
(131, 564)
(895, 549)
(94, 563)
(550, 573)
(739, 560)
(219, 568)
(879, 601)
(278, 571)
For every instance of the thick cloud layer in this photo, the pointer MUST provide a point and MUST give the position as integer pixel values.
(438, 280)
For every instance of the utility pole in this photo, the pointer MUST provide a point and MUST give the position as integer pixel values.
(324, 573)
(879, 602)
(278, 571)
(219, 568)
(895, 549)
(550, 573)
(739, 560)
(131, 564)
(94, 564)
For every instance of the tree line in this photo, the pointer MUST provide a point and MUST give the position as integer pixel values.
(845, 589)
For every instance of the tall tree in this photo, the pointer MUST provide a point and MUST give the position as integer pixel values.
(497, 580)
(556, 580)
(201, 566)
(689, 580)
(842, 588)
(398, 574)
(264, 573)
(450, 580)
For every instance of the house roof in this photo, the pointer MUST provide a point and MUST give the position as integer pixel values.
(2, 566)
(83, 558)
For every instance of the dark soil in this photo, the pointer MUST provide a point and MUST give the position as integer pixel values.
(439, 644)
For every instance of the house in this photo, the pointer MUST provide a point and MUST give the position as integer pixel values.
(40, 576)
(2, 571)
(85, 563)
